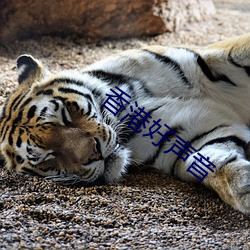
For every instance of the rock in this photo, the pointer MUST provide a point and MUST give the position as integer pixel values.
(98, 19)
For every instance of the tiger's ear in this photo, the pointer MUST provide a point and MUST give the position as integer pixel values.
(30, 70)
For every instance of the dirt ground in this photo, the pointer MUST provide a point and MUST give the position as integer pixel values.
(145, 210)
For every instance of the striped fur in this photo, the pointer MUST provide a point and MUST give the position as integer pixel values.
(55, 126)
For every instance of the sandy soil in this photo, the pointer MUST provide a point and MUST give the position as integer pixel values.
(146, 210)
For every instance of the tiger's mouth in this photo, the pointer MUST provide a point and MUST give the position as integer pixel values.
(96, 154)
(73, 179)
(112, 155)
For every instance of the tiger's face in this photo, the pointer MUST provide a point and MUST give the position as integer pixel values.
(53, 127)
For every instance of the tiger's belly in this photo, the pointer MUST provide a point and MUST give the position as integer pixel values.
(193, 121)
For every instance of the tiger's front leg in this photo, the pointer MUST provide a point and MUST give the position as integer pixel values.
(231, 177)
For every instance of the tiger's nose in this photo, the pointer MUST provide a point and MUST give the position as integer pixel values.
(96, 153)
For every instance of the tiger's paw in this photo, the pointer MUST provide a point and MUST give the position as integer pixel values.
(232, 183)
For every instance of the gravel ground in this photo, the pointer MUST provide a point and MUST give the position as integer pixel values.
(144, 211)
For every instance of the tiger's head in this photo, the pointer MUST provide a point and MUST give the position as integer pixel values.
(52, 126)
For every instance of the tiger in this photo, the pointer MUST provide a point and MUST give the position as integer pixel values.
(56, 126)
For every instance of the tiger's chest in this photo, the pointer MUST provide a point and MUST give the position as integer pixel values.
(152, 124)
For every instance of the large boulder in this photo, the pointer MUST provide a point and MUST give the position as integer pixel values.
(98, 19)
